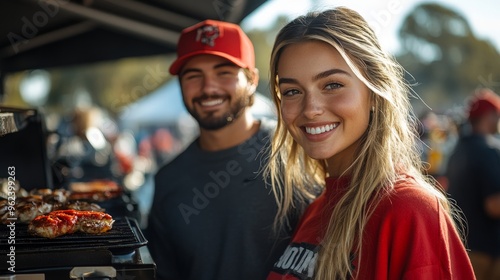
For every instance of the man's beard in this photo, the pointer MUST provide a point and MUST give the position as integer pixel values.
(211, 122)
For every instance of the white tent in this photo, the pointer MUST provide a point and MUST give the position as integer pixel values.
(165, 106)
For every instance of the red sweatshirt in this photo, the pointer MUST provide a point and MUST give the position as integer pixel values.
(409, 236)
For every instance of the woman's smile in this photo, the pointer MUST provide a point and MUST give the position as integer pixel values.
(320, 129)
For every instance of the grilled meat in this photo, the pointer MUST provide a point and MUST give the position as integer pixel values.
(57, 196)
(25, 209)
(42, 201)
(28, 209)
(62, 222)
(53, 225)
(82, 206)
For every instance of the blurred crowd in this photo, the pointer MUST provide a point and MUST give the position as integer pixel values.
(88, 144)
(439, 134)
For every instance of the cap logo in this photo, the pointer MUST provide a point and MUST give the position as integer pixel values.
(207, 34)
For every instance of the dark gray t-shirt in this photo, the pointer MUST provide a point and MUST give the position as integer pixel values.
(212, 214)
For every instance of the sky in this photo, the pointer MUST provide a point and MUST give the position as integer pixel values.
(385, 16)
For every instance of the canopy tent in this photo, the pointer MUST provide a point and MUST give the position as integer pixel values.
(53, 33)
(165, 105)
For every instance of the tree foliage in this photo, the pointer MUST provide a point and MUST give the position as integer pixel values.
(111, 85)
(440, 51)
(445, 57)
(263, 40)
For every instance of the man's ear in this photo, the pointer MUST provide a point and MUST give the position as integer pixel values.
(255, 79)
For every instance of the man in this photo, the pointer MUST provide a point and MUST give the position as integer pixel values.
(474, 182)
(212, 212)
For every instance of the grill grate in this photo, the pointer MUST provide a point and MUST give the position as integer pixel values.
(124, 237)
(79, 249)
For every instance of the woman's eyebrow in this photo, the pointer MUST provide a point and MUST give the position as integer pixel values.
(287, 81)
(329, 73)
(321, 75)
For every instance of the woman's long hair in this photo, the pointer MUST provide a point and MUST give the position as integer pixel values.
(388, 147)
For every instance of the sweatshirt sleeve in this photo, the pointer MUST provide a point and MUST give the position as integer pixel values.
(414, 238)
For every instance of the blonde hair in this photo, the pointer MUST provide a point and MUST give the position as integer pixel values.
(388, 147)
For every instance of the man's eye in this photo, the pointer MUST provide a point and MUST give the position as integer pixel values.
(191, 76)
(226, 73)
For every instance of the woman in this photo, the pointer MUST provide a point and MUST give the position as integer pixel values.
(345, 123)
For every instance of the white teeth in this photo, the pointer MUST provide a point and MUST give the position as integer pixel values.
(212, 102)
(320, 129)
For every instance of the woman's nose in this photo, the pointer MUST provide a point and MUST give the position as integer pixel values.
(312, 106)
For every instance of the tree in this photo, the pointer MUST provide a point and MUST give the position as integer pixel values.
(112, 85)
(263, 40)
(445, 57)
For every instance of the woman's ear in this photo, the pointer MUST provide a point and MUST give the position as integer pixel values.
(372, 102)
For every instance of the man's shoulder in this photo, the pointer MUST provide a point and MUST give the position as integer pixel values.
(266, 129)
(268, 124)
(493, 142)
(179, 162)
(481, 148)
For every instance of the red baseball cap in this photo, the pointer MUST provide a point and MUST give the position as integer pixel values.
(483, 101)
(214, 37)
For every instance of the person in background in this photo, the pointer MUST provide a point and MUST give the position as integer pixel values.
(438, 135)
(83, 152)
(345, 115)
(473, 174)
(212, 212)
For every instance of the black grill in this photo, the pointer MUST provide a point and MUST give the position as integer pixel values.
(77, 248)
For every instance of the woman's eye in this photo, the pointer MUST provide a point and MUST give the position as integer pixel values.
(333, 86)
(290, 92)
